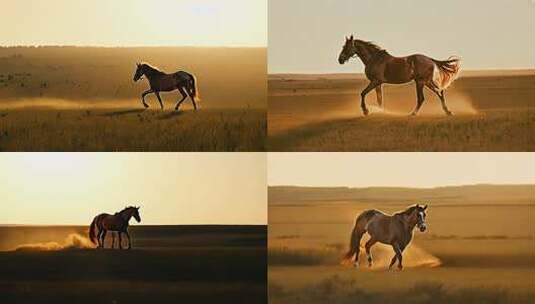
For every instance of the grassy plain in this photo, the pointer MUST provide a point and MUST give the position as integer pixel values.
(479, 247)
(84, 99)
(494, 112)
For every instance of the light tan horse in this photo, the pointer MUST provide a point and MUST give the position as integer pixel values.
(395, 230)
(381, 67)
(159, 81)
(117, 222)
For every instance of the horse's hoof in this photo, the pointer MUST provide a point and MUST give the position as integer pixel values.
(146, 106)
(449, 113)
(400, 268)
(365, 112)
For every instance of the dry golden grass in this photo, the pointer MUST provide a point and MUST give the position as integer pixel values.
(132, 130)
(92, 104)
(322, 113)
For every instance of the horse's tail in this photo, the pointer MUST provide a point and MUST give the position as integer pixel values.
(446, 71)
(194, 88)
(356, 235)
(92, 227)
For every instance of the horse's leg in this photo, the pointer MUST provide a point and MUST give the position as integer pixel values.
(184, 96)
(397, 249)
(420, 96)
(443, 102)
(441, 96)
(99, 237)
(190, 93)
(104, 238)
(143, 97)
(372, 85)
(120, 240)
(393, 261)
(112, 240)
(368, 246)
(159, 99)
(379, 92)
(129, 240)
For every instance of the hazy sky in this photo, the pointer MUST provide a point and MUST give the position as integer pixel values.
(134, 22)
(306, 36)
(171, 188)
(399, 169)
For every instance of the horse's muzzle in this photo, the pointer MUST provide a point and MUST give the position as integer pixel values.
(422, 228)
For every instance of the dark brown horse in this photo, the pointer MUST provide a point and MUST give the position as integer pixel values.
(381, 67)
(159, 81)
(395, 230)
(117, 222)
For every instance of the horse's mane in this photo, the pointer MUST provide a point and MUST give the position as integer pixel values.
(370, 45)
(125, 209)
(152, 68)
(407, 211)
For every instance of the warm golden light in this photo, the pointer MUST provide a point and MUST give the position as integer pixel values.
(135, 22)
(413, 169)
(171, 188)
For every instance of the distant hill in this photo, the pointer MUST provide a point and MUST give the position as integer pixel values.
(470, 194)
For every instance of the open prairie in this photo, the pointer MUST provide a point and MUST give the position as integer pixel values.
(85, 99)
(494, 112)
(191, 264)
(479, 247)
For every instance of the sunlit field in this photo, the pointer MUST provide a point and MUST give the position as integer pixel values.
(478, 248)
(493, 111)
(84, 99)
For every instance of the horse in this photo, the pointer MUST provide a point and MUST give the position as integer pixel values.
(117, 222)
(381, 67)
(395, 230)
(159, 81)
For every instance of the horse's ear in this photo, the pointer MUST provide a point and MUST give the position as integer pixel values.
(351, 38)
(425, 207)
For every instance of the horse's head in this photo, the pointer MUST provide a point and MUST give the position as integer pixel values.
(139, 72)
(420, 217)
(349, 50)
(135, 214)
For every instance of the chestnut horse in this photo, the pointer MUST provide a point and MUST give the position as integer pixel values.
(381, 67)
(395, 230)
(117, 222)
(159, 81)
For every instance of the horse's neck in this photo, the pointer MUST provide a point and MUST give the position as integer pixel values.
(125, 216)
(408, 227)
(363, 54)
(151, 72)
(366, 54)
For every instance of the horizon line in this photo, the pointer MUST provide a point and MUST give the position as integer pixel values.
(127, 46)
(404, 187)
(159, 225)
(362, 73)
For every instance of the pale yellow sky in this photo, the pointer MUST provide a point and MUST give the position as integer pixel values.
(134, 22)
(306, 36)
(171, 188)
(420, 170)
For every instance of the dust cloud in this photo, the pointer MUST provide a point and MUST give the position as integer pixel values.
(72, 241)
